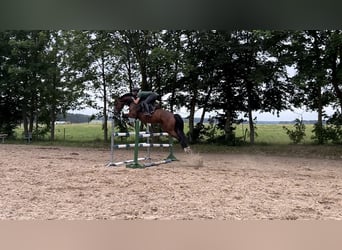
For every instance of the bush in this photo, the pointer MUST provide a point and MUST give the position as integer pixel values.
(331, 132)
(296, 135)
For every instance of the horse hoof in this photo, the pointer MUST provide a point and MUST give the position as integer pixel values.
(187, 150)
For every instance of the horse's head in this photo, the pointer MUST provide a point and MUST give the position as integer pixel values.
(118, 106)
(119, 103)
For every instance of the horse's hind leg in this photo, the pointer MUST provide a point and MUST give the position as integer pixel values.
(183, 141)
(179, 129)
(174, 135)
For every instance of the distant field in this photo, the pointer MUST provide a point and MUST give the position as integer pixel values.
(274, 133)
(93, 132)
(272, 139)
(80, 134)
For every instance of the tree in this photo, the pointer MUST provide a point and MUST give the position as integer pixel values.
(333, 57)
(140, 41)
(25, 68)
(103, 69)
(191, 80)
(228, 96)
(316, 58)
(261, 74)
(44, 75)
(66, 73)
(10, 114)
(129, 72)
(173, 44)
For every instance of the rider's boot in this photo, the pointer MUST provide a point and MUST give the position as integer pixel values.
(146, 109)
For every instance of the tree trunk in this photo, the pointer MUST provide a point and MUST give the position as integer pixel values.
(31, 121)
(251, 126)
(173, 90)
(320, 115)
(129, 69)
(105, 115)
(250, 113)
(172, 100)
(25, 121)
(205, 104)
(192, 116)
(52, 122)
(227, 127)
(143, 70)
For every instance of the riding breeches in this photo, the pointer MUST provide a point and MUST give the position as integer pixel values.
(149, 102)
(151, 98)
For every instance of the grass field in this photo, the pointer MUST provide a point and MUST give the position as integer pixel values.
(77, 134)
(93, 133)
(271, 139)
(274, 133)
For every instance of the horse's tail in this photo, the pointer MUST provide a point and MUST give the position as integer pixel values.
(179, 122)
(179, 128)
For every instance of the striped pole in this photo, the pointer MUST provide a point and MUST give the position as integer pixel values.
(143, 145)
(141, 134)
(128, 161)
(157, 163)
(111, 163)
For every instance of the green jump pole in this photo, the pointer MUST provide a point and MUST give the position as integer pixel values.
(135, 163)
(171, 156)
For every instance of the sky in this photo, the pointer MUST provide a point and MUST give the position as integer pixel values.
(287, 115)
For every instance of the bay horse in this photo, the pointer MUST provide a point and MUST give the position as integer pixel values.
(171, 123)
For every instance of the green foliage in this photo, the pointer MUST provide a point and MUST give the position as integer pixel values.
(332, 132)
(316, 56)
(9, 116)
(321, 133)
(198, 133)
(47, 72)
(213, 133)
(297, 135)
(39, 74)
(205, 133)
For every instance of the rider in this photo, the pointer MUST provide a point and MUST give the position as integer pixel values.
(146, 98)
